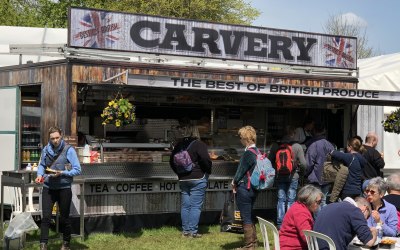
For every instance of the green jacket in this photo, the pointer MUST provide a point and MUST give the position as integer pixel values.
(247, 163)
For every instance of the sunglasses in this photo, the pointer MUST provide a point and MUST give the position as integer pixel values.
(368, 191)
(318, 202)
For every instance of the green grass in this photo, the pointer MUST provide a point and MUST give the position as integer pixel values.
(162, 238)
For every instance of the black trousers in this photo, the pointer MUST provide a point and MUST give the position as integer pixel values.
(63, 197)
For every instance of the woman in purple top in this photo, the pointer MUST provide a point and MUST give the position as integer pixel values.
(383, 212)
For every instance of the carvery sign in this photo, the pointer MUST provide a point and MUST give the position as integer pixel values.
(89, 28)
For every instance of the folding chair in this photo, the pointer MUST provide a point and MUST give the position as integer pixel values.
(312, 242)
(265, 225)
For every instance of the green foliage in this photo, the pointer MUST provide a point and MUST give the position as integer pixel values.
(392, 122)
(54, 14)
(149, 239)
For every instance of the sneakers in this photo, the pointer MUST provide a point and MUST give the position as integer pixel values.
(190, 235)
(65, 246)
(197, 235)
(43, 246)
(185, 234)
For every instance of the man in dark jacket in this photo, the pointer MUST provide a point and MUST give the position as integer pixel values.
(341, 221)
(373, 156)
(316, 154)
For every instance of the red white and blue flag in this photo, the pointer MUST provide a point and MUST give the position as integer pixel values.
(97, 30)
(339, 53)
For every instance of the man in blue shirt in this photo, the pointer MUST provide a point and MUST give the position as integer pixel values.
(341, 221)
(58, 164)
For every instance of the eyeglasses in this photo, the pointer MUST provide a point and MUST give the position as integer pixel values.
(369, 191)
(318, 202)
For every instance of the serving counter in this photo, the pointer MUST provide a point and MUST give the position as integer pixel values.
(115, 197)
(129, 196)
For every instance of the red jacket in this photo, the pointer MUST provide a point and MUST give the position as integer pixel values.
(297, 219)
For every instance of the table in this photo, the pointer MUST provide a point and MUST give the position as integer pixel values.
(357, 247)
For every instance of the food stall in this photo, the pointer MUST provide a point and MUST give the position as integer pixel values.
(219, 76)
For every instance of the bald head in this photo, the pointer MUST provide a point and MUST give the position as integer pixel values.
(371, 139)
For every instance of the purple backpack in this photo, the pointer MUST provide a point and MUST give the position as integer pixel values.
(182, 161)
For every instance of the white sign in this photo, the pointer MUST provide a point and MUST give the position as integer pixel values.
(89, 28)
(275, 88)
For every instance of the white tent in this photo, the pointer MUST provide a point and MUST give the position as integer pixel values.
(380, 73)
(28, 35)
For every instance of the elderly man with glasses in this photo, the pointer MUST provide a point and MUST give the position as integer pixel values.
(342, 221)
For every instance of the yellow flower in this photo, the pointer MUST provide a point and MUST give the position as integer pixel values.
(110, 103)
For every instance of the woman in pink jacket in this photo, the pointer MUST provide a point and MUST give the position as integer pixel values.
(299, 217)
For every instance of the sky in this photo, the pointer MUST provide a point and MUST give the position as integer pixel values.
(380, 17)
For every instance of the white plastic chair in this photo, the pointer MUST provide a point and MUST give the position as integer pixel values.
(17, 202)
(312, 243)
(265, 225)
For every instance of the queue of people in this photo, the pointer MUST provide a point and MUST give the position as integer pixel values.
(363, 210)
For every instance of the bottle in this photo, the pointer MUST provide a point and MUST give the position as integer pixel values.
(28, 167)
(379, 231)
(34, 167)
(23, 155)
(28, 155)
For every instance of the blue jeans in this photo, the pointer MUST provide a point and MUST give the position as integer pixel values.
(287, 190)
(325, 190)
(192, 198)
(245, 201)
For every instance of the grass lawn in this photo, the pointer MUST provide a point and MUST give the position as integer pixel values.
(162, 238)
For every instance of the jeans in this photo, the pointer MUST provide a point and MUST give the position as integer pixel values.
(63, 198)
(245, 201)
(325, 190)
(287, 190)
(192, 198)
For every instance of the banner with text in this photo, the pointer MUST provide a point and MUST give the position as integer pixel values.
(149, 187)
(275, 88)
(98, 29)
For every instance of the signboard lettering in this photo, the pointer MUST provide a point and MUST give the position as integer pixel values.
(149, 187)
(275, 87)
(99, 29)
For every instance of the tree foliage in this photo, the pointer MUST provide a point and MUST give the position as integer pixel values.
(337, 25)
(54, 14)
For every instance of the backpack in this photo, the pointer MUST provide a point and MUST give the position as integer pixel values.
(263, 174)
(182, 160)
(284, 160)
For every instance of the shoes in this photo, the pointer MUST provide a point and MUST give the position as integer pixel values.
(43, 246)
(197, 235)
(65, 246)
(185, 234)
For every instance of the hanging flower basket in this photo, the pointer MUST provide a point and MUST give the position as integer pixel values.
(118, 112)
(392, 122)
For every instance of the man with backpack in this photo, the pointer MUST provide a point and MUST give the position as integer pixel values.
(289, 158)
(316, 155)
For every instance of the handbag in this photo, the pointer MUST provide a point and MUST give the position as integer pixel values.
(331, 169)
(230, 219)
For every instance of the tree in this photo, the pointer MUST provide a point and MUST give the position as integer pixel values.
(343, 25)
(51, 13)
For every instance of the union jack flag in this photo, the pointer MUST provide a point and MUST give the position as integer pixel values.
(97, 30)
(339, 53)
